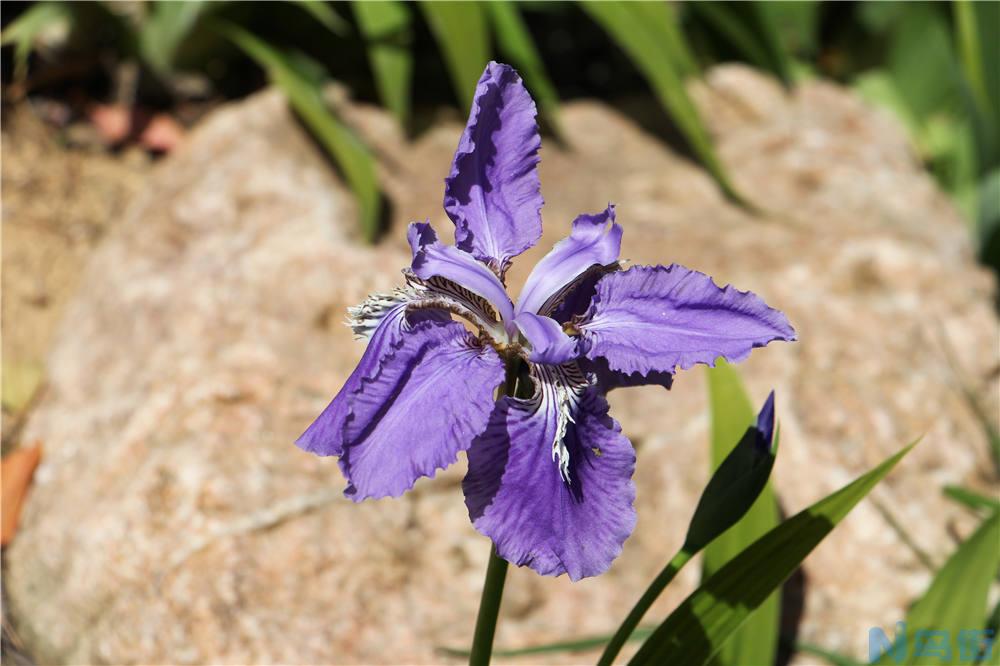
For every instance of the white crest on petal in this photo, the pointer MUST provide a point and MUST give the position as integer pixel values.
(559, 388)
(433, 294)
(366, 317)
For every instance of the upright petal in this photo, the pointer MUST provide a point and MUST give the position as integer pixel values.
(383, 319)
(492, 194)
(595, 241)
(432, 259)
(549, 344)
(426, 402)
(655, 318)
(554, 520)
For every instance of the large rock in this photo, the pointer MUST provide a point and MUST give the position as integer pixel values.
(174, 522)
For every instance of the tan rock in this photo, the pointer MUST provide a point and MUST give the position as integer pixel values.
(174, 522)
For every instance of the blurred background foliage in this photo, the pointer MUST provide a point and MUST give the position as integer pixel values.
(933, 65)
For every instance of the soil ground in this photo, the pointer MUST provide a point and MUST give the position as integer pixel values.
(58, 201)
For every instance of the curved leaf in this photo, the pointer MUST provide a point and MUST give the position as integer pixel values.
(296, 77)
(461, 34)
(757, 641)
(23, 30)
(517, 47)
(656, 50)
(956, 600)
(732, 490)
(386, 28)
(700, 626)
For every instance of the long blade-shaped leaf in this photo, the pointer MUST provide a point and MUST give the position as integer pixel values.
(573, 645)
(296, 79)
(955, 603)
(756, 642)
(166, 28)
(972, 499)
(655, 53)
(325, 14)
(700, 626)
(749, 29)
(975, 24)
(461, 33)
(386, 28)
(23, 30)
(733, 489)
(517, 47)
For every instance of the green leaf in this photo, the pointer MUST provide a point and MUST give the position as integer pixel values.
(574, 645)
(654, 50)
(988, 223)
(971, 499)
(461, 33)
(166, 28)
(878, 88)
(796, 23)
(729, 494)
(733, 493)
(26, 28)
(297, 78)
(979, 50)
(757, 641)
(829, 656)
(661, 20)
(748, 28)
(928, 83)
(957, 597)
(517, 47)
(325, 14)
(700, 626)
(386, 27)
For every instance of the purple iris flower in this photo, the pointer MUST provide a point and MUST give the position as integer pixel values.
(550, 472)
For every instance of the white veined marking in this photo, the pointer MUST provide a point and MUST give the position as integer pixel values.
(561, 386)
(436, 292)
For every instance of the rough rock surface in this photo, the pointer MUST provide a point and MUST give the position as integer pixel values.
(173, 521)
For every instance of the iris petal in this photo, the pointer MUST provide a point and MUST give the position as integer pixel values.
(595, 241)
(432, 259)
(492, 193)
(426, 402)
(655, 318)
(555, 523)
(549, 344)
(383, 318)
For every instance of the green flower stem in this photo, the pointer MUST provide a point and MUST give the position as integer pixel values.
(489, 608)
(496, 572)
(635, 615)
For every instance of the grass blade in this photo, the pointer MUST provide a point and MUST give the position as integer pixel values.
(699, 627)
(956, 600)
(23, 31)
(386, 28)
(325, 14)
(734, 488)
(573, 645)
(757, 641)
(654, 51)
(829, 656)
(461, 33)
(165, 29)
(517, 47)
(971, 499)
(297, 80)
(748, 28)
